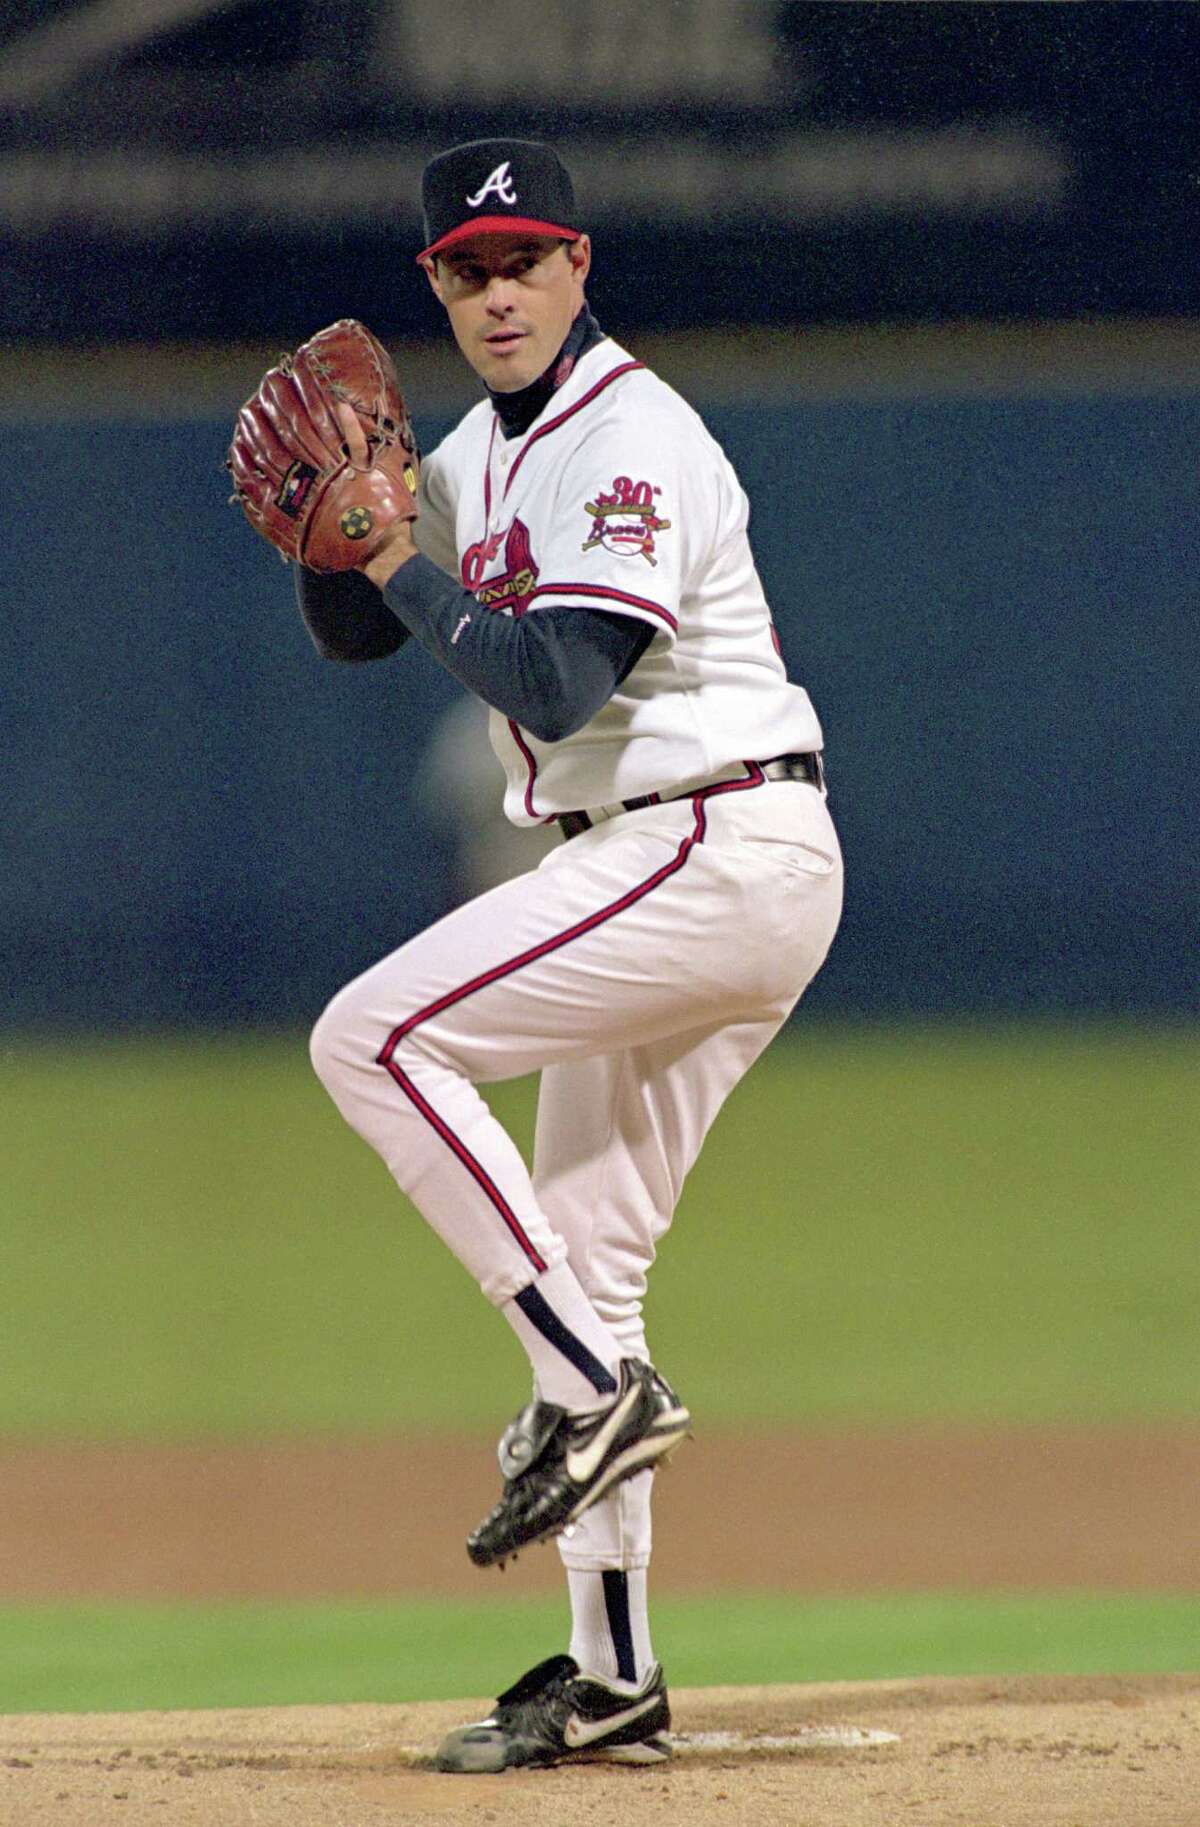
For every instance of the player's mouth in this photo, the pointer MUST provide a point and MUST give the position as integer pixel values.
(501, 341)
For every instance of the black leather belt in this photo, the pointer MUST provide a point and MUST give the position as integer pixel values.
(808, 767)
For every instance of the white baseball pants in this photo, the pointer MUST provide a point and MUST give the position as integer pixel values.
(642, 968)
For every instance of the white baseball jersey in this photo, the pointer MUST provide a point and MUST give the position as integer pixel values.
(618, 498)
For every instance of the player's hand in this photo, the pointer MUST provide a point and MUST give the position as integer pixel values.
(323, 457)
(397, 549)
(398, 546)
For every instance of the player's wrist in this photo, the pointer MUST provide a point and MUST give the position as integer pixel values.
(396, 550)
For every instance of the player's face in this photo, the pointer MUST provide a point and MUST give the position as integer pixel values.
(511, 300)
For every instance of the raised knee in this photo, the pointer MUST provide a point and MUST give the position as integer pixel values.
(320, 1046)
(347, 1043)
(331, 1043)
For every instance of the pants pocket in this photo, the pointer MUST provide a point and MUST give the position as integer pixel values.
(805, 859)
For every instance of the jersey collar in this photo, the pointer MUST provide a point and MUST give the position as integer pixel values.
(517, 411)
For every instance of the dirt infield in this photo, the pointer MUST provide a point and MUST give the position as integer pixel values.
(983, 1753)
(1009, 1509)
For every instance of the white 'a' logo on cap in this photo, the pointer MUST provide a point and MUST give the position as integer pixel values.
(500, 182)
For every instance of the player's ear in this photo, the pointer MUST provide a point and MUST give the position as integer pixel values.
(431, 274)
(579, 253)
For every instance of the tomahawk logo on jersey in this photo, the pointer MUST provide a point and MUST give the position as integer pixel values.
(506, 589)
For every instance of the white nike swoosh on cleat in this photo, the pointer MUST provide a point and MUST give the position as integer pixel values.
(642, 1452)
(581, 1465)
(579, 1732)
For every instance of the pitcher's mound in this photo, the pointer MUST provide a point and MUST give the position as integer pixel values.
(1104, 1751)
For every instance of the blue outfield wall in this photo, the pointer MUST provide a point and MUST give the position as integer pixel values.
(993, 602)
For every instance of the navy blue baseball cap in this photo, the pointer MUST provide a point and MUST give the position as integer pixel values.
(495, 187)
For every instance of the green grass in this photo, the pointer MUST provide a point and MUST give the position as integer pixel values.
(886, 1224)
(118, 1658)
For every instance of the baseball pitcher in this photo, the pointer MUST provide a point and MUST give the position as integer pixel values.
(575, 553)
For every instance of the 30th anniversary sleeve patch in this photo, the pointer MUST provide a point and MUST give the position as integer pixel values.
(625, 519)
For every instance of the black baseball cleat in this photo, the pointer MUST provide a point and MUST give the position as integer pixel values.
(555, 1714)
(557, 1465)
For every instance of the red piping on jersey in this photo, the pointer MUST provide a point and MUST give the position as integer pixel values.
(530, 763)
(387, 1053)
(487, 479)
(593, 590)
(613, 596)
(605, 380)
(585, 589)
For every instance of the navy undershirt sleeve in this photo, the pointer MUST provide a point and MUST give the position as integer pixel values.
(550, 671)
(346, 616)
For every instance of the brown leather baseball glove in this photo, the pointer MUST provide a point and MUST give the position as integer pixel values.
(323, 457)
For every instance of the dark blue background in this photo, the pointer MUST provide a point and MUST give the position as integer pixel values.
(993, 604)
(1110, 85)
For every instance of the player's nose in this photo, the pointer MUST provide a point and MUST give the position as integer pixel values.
(500, 294)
